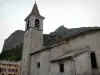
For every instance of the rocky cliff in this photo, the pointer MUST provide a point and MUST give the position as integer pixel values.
(12, 49)
(15, 39)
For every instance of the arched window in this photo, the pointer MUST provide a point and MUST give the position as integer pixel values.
(37, 23)
(93, 60)
(27, 24)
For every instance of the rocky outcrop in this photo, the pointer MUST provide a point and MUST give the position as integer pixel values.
(13, 45)
(15, 39)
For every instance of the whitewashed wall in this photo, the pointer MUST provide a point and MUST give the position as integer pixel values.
(82, 62)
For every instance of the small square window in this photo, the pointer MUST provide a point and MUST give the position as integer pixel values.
(38, 65)
(16, 70)
(61, 67)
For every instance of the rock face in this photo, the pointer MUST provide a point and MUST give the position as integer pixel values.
(15, 39)
(13, 45)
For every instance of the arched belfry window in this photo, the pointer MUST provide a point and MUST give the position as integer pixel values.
(93, 60)
(37, 23)
(27, 24)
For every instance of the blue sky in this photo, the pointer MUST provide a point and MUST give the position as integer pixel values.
(70, 13)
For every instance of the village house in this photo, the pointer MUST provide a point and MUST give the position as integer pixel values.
(9, 67)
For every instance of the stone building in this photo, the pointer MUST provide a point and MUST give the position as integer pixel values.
(9, 68)
(77, 55)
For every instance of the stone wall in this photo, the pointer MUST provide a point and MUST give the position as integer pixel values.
(82, 62)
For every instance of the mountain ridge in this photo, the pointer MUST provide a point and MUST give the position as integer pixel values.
(13, 45)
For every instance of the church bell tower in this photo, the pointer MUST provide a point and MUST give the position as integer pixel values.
(33, 38)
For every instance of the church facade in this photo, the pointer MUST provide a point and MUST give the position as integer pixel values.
(78, 55)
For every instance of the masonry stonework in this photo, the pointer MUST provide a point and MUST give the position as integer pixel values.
(74, 53)
(33, 39)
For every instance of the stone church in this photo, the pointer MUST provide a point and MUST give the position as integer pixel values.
(78, 55)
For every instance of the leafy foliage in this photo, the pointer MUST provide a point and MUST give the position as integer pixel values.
(14, 54)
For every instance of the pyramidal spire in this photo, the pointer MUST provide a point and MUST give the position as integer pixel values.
(35, 12)
(35, 9)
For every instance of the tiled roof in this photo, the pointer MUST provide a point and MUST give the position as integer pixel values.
(63, 34)
(68, 38)
(9, 62)
(71, 54)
